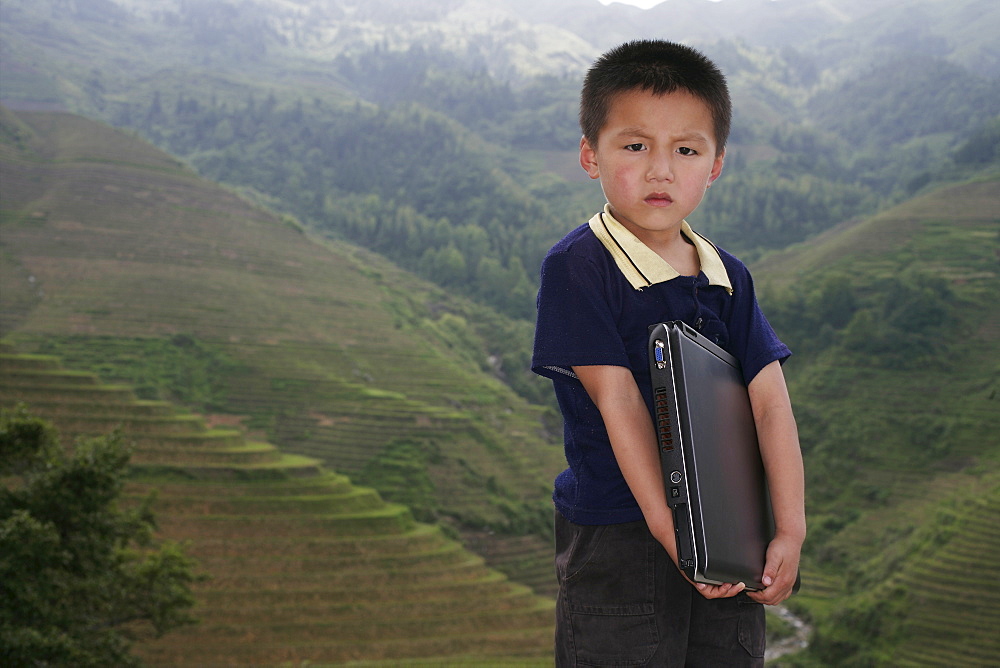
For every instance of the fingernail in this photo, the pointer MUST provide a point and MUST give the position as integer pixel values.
(767, 581)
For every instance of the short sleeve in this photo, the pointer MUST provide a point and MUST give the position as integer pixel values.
(752, 338)
(576, 323)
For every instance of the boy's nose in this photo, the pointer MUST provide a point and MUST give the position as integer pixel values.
(660, 168)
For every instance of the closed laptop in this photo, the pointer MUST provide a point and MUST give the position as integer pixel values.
(712, 468)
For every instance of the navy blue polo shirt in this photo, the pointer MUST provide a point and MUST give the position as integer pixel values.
(601, 289)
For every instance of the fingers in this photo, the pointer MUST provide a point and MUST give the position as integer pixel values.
(775, 591)
(719, 591)
(780, 571)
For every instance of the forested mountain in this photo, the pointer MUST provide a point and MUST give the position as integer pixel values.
(458, 118)
(860, 179)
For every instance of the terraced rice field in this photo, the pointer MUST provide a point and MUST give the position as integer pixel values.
(112, 246)
(951, 589)
(302, 564)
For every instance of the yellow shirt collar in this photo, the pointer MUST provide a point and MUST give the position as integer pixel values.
(642, 266)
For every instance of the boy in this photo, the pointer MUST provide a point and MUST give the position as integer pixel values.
(655, 119)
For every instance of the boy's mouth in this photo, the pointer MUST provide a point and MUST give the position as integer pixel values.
(659, 199)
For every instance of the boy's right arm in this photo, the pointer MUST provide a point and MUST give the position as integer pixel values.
(630, 429)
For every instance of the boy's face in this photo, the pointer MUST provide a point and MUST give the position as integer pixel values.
(655, 157)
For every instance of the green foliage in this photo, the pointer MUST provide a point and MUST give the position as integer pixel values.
(13, 132)
(446, 212)
(983, 146)
(179, 368)
(400, 471)
(905, 98)
(906, 323)
(901, 324)
(80, 578)
(763, 208)
(892, 323)
(475, 218)
(540, 113)
(863, 632)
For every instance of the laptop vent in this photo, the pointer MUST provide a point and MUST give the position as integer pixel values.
(663, 433)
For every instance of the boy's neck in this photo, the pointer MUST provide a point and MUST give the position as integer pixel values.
(671, 245)
(679, 253)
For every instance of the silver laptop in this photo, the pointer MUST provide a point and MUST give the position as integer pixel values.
(710, 458)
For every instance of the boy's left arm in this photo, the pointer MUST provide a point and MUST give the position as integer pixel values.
(779, 448)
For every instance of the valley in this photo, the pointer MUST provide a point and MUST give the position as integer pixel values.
(304, 246)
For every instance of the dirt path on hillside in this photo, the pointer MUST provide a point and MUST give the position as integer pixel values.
(793, 643)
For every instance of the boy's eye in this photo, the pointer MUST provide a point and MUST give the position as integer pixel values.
(685, 150)
(634, 147)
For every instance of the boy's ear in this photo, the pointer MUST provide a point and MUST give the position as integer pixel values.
(588, 159)
(717, 167)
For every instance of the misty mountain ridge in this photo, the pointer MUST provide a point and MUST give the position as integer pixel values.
(517, 39)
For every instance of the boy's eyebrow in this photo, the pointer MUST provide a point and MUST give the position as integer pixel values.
(632, 132)
(690, 136)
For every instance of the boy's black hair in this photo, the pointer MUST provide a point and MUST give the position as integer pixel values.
(659, 67)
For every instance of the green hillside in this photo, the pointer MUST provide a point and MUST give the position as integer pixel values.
(122, 261)
(896, 394)
(300, 565)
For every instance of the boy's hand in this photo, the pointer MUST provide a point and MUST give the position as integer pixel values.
(718, 591)
(661, 525)
(780, 570)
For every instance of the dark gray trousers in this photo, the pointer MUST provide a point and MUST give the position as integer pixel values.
(622, 602)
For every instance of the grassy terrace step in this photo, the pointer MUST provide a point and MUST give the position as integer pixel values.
(212, 453)
(11, 362)
(483, 589)
(38, 378)
(376, 630)
(379, 410)
(133, 410)
(530, 557)
(354, 500)
(349, 428)
(322, 483)
(946, 656)
(276, 557)
(133, 425)
(364, 577)
(323, 573)
(459, 662)
(936, 646)
(513, 601)
(421, 538)
(106, 394)
(945, 569)
(504, 644)
(390, 519)
(209, 439)
(284, 467)
(925, 586)
(966, 619)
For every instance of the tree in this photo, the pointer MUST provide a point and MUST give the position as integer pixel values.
(80, 576)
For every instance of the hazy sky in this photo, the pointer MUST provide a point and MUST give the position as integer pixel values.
(645, 4)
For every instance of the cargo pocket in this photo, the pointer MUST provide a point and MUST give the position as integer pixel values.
(752, 633)
(608, 590)
(614, 636)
